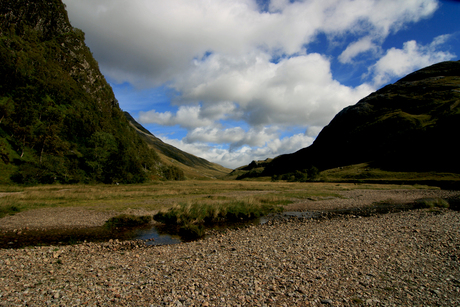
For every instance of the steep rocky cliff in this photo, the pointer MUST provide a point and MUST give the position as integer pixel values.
(59, 119)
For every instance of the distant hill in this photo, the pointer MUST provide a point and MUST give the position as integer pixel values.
(192, 166)
(411, 125)
(59, 119)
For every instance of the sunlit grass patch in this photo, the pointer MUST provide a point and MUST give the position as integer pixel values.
(11, 189)
(164, 195)
(195, 215)
(191, 219)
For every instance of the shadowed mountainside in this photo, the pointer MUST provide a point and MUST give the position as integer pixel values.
(411, 125)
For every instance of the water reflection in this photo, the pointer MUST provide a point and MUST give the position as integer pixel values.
(151, 235)
(66, 236)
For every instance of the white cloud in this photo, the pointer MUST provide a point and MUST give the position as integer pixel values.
(313, 131)
(189, 116)
(150, 42)
(413, 56)
(363, 45)
(296, 91)
(215, 135)
(245, 154)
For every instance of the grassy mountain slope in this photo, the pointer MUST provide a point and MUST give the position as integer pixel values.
(192, 166)
(59, 119)
(409, 126)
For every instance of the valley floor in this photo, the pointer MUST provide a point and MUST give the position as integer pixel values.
(397, 259)
(68, 217)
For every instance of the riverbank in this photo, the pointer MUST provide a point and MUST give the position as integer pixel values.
(77, 217)
(397, 259)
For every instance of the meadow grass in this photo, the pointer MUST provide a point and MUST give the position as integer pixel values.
(365, 172)
(157, 196)
(192, 218)
(188, 206)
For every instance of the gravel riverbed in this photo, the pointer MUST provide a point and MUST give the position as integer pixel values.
(397, 259)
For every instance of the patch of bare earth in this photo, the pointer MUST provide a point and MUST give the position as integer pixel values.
(70, 217)
(362, 198)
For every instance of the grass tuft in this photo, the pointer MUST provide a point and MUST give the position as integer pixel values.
(431, 203)
(9, 210)
(193, 217)
(208, 214)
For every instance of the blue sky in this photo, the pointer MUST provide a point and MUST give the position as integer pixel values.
(239, 80)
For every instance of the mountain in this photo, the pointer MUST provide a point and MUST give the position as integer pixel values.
(192, 166)
(59, 119)
(412, 125)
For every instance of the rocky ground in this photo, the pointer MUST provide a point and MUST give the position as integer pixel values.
(396, 259)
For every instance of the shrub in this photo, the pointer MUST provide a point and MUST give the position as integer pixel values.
(306, 175)
(172, 172)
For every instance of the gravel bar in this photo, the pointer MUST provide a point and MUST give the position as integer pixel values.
(396, 259)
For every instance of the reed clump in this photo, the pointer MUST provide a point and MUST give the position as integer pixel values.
(195, 217)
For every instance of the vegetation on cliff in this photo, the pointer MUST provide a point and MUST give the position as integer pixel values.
(59, 119)
(175, 160)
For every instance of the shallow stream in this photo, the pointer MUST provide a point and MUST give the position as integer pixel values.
(151, 235)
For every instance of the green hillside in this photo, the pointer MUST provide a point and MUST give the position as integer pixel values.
(59, 119)
(192, 166)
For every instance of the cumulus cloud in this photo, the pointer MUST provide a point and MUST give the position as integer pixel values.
(313, 131)
(296, 91)
(363, 45)
(189, 116)
(413, 56)
(245, 154)
(215, 135)
(150, 42)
